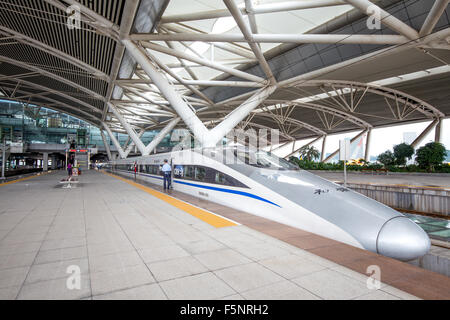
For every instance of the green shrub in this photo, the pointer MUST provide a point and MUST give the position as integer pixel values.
(431, 155)
(402, 152)
(387, 158)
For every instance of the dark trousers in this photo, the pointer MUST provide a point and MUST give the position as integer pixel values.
(167, 180)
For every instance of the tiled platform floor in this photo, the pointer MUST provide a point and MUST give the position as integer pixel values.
(128, 244)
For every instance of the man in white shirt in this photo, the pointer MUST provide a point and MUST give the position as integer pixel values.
(167, 170)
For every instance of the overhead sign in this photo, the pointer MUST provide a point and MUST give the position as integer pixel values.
(78, 150)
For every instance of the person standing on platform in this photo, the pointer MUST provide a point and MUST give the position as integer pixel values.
(167, 170)
(69, 170)
(135, 170)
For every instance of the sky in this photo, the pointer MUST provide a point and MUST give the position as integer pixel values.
(382, 138)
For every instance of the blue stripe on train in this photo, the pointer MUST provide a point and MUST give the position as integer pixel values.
(241, 193)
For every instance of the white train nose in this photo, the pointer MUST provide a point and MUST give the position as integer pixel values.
(402, 239)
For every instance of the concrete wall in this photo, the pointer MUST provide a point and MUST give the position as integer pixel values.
(427, 200)
(436, 260)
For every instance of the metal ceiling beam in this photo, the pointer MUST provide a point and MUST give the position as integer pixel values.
(249, 37)
(52, 76)
(59, 93)
(204, 62)
(386, 18)
(257, 9)
(433, 17)
(129, 13)
(208, 83)
(55, 52)
(230, 47)
(55, 105)
(275, 38)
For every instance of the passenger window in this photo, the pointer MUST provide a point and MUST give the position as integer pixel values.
(200, 173)
(189, 172)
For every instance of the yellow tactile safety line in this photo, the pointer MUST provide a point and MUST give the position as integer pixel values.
(22, 179)
(208, 217)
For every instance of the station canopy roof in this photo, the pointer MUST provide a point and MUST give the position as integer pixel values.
(332, 73)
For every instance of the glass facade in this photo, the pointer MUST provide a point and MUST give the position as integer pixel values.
(34, 124)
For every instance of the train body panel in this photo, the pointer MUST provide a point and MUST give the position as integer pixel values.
(292, 197)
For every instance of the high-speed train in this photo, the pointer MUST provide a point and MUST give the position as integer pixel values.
(262, 184)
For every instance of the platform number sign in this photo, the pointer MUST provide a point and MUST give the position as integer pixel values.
(344, 150)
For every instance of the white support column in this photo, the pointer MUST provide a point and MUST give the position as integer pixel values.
(368, 140)
(438, 131)
(45, 162)
(115, 142)
(236, 116)
(138, 143)
(324, 145)
(427, 130)
(180, 106)
(132, 146)
(106, 144)
(160, 136)
(3, 160)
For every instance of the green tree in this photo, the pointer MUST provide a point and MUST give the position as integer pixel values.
(402, 152)
(431, 155)
(309, 153)
(387, 158)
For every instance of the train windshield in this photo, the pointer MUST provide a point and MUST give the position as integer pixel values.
(262, 159)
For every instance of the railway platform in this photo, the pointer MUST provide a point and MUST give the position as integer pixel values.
(113, 238)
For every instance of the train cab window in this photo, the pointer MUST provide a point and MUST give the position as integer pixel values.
(220, 178)
(200, 173)
(262, 159)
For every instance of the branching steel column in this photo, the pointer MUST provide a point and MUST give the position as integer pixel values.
(139, 144)
(427, 130)
(206, 137)
(115, 142)
(132, 145)
(160, 136)
(106, 144)
(180, 106)
(236, 116)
